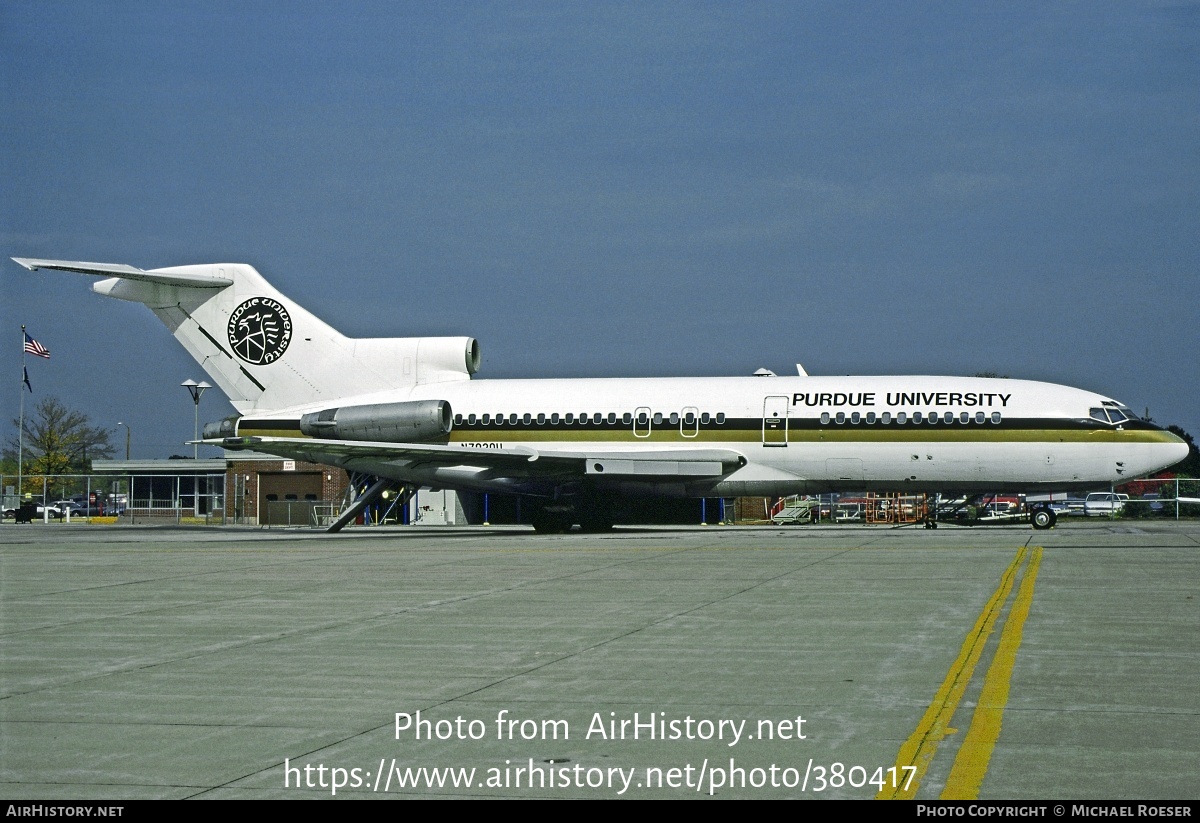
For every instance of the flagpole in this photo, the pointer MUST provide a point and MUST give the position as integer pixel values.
(21, 429)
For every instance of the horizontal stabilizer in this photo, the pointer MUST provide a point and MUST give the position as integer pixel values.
(186, 280)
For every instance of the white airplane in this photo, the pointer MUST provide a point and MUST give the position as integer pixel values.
(405, 410)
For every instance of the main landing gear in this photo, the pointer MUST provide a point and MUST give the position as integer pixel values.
(592, 513)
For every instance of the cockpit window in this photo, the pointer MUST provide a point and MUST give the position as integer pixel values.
(1112, 414)
(1117, 411)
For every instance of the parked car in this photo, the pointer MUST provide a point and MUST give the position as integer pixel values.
(80, 506)
(31, 511)
(1102, 504)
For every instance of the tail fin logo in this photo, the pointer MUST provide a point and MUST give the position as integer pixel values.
(260, 330)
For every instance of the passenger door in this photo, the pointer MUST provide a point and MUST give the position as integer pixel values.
(775, 421)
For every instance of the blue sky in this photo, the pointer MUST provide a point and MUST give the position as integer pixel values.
(617, 189)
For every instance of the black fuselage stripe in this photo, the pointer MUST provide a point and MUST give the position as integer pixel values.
(741, 425)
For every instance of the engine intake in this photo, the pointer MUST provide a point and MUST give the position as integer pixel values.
(410, 422)
(222, 428)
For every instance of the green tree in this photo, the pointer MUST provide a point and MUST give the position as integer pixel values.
(58, 440)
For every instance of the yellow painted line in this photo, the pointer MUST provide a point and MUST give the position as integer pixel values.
(974, 754)
(918, 750)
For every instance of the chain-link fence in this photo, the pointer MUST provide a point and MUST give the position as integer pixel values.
(1175, 497)
(200, 498)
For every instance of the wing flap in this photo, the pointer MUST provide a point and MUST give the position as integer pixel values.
(690, 463)
(652, 468)
(351, 449)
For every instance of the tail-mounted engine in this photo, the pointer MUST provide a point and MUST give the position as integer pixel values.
(410, 422)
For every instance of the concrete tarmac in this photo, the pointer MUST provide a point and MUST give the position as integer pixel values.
(732, 662)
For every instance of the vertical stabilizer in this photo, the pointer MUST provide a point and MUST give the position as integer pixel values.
(265, 351)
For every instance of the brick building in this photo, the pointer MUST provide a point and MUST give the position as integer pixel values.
(253, 489)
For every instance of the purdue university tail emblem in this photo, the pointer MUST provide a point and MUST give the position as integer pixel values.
(260, 330)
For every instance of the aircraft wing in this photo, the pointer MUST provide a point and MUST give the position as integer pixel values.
(188, 279)
(689, 463)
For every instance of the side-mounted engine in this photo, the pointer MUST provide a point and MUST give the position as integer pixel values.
(410, 422)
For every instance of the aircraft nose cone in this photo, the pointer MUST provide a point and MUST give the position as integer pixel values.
(1178, 449)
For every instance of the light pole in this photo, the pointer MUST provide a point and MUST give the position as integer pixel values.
(196, 390)
(128, 437)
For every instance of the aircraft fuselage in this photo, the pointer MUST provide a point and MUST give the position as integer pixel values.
(796, 434)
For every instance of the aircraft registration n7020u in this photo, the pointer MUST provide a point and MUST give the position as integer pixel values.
(406, 410)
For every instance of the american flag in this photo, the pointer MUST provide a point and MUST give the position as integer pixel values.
(34, 347)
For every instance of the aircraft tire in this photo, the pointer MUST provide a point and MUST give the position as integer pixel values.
(1043, 519)
(594, 524)
(596, 514)
(551, 522)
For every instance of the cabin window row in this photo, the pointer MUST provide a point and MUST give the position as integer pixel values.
(596, 419)
(903, 417)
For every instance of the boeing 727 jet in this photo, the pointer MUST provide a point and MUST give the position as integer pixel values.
(407, 410)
